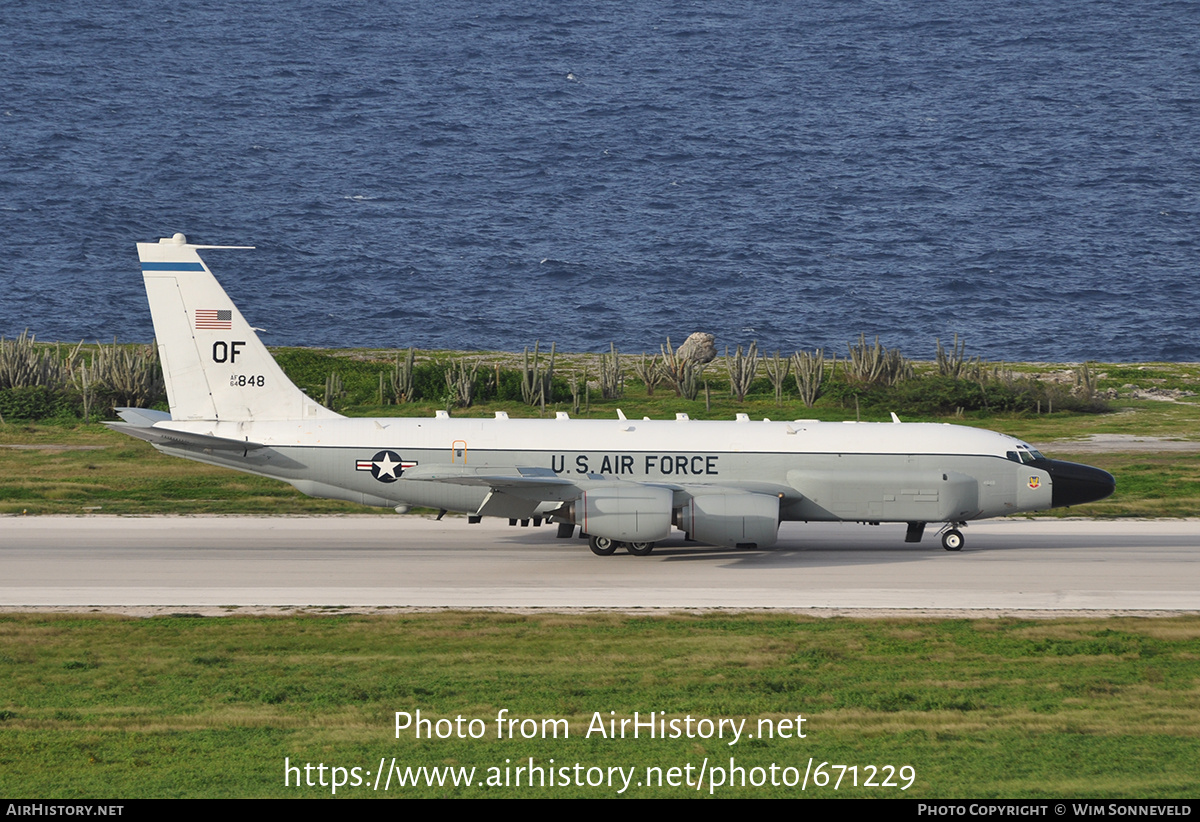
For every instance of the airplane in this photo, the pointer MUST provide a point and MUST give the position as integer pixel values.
(624, 483)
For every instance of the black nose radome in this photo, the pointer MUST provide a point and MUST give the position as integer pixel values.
(1075, 484)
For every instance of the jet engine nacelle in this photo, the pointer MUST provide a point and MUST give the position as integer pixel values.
(627, 512)
(732, 520)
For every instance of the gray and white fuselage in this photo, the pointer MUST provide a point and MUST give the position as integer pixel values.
(621, 481)
(818, 470)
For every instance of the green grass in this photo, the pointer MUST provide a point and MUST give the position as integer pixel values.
(127, 476)
(1140, 418)
(114, 707)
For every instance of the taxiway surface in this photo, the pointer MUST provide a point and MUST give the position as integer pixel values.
(411, 561)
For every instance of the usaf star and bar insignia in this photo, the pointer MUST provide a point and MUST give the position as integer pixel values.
(385, 466)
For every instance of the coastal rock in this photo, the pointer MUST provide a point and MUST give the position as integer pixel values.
(699, 348)
(1136, 392)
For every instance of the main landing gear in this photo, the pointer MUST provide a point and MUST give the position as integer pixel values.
(603, 546)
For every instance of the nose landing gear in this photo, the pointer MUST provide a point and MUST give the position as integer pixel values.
(952, 538)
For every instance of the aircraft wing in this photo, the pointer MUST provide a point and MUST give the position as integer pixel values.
(523, 494)
(543, 484)
(531, 484)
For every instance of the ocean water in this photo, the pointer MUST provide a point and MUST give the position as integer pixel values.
(483, 175)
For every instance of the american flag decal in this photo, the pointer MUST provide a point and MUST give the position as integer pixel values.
(214, 319)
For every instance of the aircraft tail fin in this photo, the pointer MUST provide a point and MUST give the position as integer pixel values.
(215, 366)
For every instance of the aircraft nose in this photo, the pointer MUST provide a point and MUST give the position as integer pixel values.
(1075, 484)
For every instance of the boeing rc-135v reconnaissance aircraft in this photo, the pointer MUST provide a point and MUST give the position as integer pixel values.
(623, 482)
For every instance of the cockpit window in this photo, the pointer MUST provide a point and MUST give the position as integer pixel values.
(1012, 455)
(1026, 455)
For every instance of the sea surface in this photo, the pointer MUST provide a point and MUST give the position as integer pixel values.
(483, 175)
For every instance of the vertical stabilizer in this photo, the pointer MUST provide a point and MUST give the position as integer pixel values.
(215, 366)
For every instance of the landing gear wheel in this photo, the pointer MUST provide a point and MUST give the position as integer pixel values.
(640, 549)
(952, 540)
(602, 546)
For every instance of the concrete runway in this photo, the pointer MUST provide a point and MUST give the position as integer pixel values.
(1008, 565)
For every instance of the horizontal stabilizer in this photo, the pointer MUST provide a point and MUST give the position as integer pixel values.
(169, 438)
(142, 417)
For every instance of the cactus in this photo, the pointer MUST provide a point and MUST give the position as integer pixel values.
(612, 376)
(1085, 381)
(778, 369)
(461, 382)
(876, 365)
(742, 370)
(125, 375)
(402, 378)
(809, 373)
(950, 364)
(536, 385)
(133, 375)
(334, 390)
(682, 373)
(578, 384)
(121, 375)
(954, 363)
(649, 372)
(23, 365)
